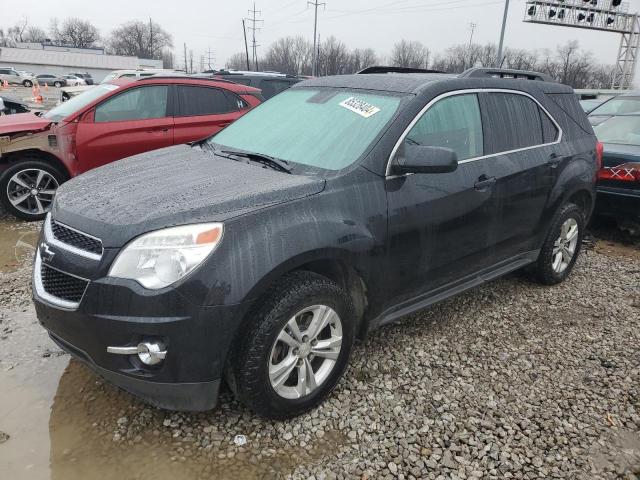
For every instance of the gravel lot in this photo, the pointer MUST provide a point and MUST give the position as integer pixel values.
(510, 380)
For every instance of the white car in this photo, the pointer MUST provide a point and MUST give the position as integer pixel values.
(14, 77)
(74, 80)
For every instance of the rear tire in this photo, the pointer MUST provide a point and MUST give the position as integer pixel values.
(283, 367)
(561, 248)
(28, 186)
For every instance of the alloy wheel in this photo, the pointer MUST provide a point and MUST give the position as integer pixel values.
(564, 248)
(305, 352)
(31, 191)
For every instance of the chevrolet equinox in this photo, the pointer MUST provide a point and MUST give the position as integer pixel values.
(257, 256)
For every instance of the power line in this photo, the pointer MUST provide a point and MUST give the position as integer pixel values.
(314, 66)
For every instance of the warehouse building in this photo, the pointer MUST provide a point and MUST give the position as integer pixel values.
(40, 58)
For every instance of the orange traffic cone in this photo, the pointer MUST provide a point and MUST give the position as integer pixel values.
(33, 91)
(5, 84)
(46, 87)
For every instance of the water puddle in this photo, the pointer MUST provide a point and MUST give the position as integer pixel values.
(17, 243)
(65, 423)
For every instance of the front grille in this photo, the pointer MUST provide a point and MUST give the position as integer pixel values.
(61, 285)
(76, 239)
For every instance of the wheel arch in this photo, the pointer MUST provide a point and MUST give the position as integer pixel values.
(33, 154)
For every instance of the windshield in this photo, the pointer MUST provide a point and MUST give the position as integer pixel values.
(326, 128)
(618, 106)
(624, 130)
(78, 102)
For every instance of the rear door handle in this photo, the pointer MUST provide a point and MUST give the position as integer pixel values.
(484, 182)
(159, 129)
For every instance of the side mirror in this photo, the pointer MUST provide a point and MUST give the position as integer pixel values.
(424, 159)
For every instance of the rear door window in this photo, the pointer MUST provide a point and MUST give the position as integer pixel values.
(453, 122)
(512, 122)
(196, 100)
(135, 104)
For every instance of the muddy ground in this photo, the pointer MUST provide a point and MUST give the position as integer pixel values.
(511, 380)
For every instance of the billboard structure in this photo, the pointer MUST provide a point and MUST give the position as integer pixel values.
(603, 15)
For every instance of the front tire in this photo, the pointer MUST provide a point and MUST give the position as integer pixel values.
(296, 348)
(57, 84)
(561, 247)
(27, 83)
(28, 186)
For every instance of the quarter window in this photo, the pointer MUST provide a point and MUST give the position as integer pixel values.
(453, 122)
(206, 101)
(549, 130)
(135, 104)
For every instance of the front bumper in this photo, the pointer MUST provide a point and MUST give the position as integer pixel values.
(193, 397)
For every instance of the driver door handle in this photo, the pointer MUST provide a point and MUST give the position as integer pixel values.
(484, 182)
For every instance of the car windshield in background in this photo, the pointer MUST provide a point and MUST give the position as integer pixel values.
(623, 130)
(76, 103)
(326, 128)
(618, 106)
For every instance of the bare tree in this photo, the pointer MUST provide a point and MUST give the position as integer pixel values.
(237, 61)
(412, 54)
(74, 32)
(289, 55)
(333, 58)
(140, 39)
(361, 58)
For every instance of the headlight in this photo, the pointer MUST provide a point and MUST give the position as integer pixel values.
(160, 258)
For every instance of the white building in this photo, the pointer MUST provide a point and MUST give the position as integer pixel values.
(42, 58)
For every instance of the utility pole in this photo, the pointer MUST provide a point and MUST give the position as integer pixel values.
(210, 56)
(185, 59)
(472, 26)
(314, 66)
(246, 47)
(504, 25)
(150, 38)
(253, 29)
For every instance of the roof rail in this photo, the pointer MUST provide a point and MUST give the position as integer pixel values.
(478, 72)
(181, 77)
(383, 69)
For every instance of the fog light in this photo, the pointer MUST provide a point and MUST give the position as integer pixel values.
(151, 353)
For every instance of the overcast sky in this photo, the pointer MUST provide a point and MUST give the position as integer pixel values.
(372, 23)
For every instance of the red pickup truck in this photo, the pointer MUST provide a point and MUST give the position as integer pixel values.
(106, 123)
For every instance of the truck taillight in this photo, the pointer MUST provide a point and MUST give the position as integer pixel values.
(599, 153)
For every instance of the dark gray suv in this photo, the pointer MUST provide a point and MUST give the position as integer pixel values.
(257, 256)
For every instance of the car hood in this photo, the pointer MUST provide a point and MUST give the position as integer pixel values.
(171, 186)
(22, 122)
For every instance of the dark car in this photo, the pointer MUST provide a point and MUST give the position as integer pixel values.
(619, 180)
(10, 105)
(624, 104)
(84, 75)
(341, 204)
(51, 80)
(270, 83)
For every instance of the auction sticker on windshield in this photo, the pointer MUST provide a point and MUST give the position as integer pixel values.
(360, 107)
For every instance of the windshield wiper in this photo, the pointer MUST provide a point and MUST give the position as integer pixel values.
(267, 160)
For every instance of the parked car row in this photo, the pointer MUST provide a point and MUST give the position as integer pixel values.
(28, 79)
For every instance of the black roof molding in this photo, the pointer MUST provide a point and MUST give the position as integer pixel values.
(482, 72)
(383, 69)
